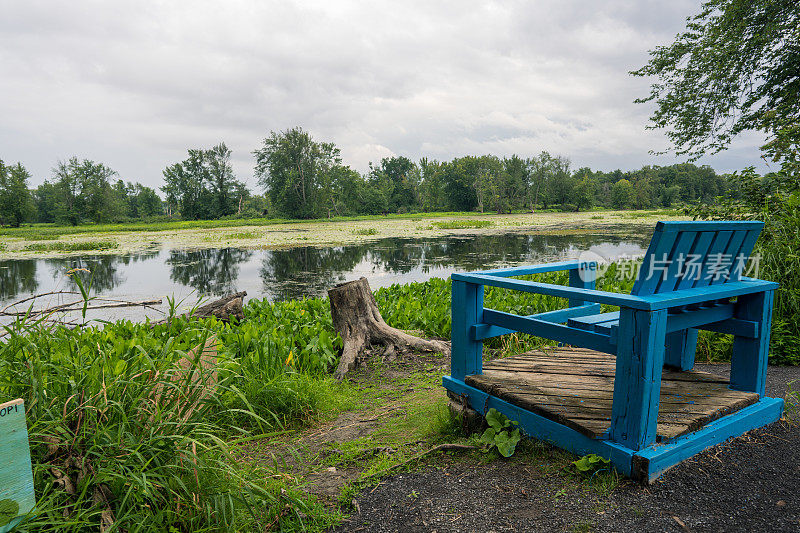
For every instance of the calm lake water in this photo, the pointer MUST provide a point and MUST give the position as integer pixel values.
(296, 272)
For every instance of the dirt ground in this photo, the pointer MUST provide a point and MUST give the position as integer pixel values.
(745, 484)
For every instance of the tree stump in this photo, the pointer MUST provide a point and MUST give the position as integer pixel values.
(357, 319)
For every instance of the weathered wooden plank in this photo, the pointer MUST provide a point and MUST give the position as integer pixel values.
(16, 477)
(584, 402)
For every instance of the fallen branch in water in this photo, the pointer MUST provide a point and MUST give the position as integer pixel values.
(77, 305)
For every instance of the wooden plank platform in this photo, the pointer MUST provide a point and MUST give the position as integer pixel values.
(575, 386)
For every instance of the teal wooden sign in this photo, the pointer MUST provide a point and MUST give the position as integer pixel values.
(16, 478)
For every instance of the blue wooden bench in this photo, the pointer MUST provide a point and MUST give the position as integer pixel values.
(691, 278)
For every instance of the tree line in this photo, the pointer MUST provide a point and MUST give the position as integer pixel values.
(304, 178)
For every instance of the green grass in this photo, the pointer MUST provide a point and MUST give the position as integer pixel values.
(42, 236)
(365, 231)
(71, 246)
(462, 224)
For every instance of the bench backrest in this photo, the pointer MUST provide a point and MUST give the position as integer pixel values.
(683, 255)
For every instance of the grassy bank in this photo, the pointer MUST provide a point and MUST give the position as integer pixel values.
(132, 424)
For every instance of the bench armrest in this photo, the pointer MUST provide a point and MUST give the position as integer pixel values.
(644, 303)
(577, 293)
(699, 295)
(540, 268)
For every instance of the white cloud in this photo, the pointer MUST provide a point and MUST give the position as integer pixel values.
(135, 84)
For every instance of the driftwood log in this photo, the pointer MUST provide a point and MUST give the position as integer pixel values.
(357, 319)
(225, 308)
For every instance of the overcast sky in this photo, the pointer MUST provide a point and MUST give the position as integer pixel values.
(135, 84)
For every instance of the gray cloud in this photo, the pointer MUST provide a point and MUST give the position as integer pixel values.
(134, 84)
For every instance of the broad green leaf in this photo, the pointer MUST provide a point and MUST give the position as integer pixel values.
(9, 509)
(488, 436)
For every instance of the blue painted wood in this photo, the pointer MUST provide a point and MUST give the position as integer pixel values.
(679, 290)
(729, 256)
(696, 317)
(527, 270)
(740, 260)
(550, 289)
(637, 382)
(562, 315)
(652, 302)
(16, 477)
(713, 259)
(650, 461)
(549, 330)
(466, 310)
(542, 428)
(706, 294)
(486, 331)
(702, 318)
(749, 355)
(656, 459)
(693, 263)
(589, 321)
(582, 278)
(683, 245)
(747, 329)
(655, 261)
(718, 225)
(681, 348)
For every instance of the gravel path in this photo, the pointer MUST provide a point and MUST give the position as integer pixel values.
(746, 484)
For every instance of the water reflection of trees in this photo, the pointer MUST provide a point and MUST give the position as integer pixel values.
(309, 271)
(103, 270)
(211, 271)
(304, 271)
(17, 276)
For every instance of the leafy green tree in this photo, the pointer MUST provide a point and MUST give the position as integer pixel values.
(583, 193)
(185, 187)
(432, 195)
(622, 194)
(459, 184)
(733, 69)
(222, 181)
(398, 178)
(16, 202)
(144, 202)
(84, 191)
(203, 186)
(46, 199)
(290, 166)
